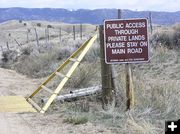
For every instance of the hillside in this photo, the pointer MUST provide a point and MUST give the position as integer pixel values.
(83, 15)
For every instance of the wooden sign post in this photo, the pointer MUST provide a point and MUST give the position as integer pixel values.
(107, 93)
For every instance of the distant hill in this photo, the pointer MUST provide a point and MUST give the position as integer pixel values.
(83, 15)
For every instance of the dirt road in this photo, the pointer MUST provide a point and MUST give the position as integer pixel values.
(12, 83)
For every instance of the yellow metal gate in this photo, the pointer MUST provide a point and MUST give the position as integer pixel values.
(76, 58)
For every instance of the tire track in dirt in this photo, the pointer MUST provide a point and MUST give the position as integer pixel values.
(13, 83)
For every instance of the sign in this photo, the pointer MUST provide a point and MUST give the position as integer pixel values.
(126, 41)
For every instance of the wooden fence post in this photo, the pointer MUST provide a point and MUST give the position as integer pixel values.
(129, 79)
(117, 95)
(7, 44)
(37, 38)
(119, 14)
(2, 49)
(150, 21)
(74, 32)
(27, 36)
(129, 87)
(81, 31)
(107, 92)
(46, 37)
(60, 34)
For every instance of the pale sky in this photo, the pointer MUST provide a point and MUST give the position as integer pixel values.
(153, 5)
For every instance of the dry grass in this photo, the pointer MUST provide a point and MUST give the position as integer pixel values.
(76, 120)
(167, 37)
(156, 95)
